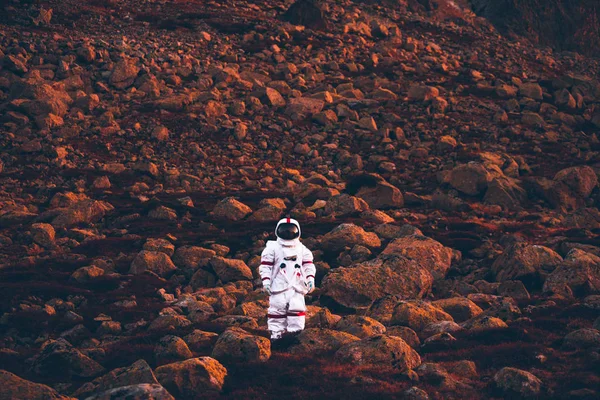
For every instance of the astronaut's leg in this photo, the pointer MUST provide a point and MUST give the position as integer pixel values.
(277, 315)
(296, 313)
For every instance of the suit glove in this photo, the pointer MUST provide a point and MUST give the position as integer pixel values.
(267, 288)
(310, 285)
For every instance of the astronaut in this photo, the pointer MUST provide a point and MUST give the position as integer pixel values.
(288, 273)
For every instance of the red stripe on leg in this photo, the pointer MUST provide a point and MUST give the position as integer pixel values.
(276, 316)
(299, 314)
(264, 279)
(310, 276)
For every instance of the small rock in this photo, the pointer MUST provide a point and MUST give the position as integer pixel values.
(513, 381)
(379, 350)
(153, 261)
(231, 209)
(193, 378)
(235, 344)
(171, 348)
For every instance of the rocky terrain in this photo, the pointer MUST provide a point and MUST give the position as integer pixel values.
(562, 24)
(445, 176)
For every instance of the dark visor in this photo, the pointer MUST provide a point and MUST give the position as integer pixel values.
(287, 231)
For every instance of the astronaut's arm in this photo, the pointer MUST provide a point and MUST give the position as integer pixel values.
(266, 265)
(308, 266)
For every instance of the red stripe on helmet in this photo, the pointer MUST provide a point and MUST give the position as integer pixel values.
(306, 262)
(266, 262)
(289, 220)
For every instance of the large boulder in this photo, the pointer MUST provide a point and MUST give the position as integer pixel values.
(516, 382)
(162, 245)
(189, 256)
(379, 350)
(381, 196)
(124, 73)
(406, 334)
(231, 209)
(171, 348)
(582, 180)
(361, 284)
(82, 212)
(16, 388)
(169, 323)
(568, 190)
(522, 261)
(439, 330)
(230, 269)
(532, 90)
(578, 275)
(143, 391)
(460, 308)
(270, 211)
(323, 318)
(582, 339)
(153, 261)
(307, 13)
(58, 358)
(382, 309)
(304, 106)
(43, 234)
(483, 323)
(235, 344)
(199, 340)
(471, 179)
(418, 314)
(137, 373)
(320, 340)
(241, 321)
(505, 192)
(430, 254)
(344, 204)
(193, 378)
(360, 326)
(349, 235)
(39, 99)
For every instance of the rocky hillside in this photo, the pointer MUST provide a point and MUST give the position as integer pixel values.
(445, 176)
(562, 24)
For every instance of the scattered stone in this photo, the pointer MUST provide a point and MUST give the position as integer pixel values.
(461, 309)
(17, 388)
(58, 358)
(349, 235)
(358, 286)
(513, 381)
(231, 209)
(525, 262)
(230, 269)
(235, 344)
(430, 254)
(418, 314)
(192, 378)
(318, 340)
(379, 350)
(153, 261)
(360, 326)
(171, 348)
(140, 391)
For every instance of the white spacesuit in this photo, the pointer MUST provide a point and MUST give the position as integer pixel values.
(288, 273)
